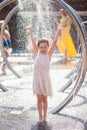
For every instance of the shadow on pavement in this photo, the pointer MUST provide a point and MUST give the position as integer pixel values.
(42, 126)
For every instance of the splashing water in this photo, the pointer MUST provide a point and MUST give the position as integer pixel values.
(38, 15)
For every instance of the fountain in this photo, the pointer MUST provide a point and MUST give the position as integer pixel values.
(40, 18)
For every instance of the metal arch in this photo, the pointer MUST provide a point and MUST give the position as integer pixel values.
(2, 5)
(2, 32)
(5, 3)
(77, 20)
(82, 71)
(1, 38)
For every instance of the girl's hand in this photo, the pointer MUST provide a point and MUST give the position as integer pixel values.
(29, 28)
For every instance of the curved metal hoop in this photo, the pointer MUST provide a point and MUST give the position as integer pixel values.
(81, 28)
(81, 75)
(2, 33)
(5, 3)
(2, 5)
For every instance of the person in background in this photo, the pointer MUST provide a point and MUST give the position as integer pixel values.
(6, 45)
(65, 43)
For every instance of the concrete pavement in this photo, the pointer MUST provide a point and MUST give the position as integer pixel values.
(18, 110)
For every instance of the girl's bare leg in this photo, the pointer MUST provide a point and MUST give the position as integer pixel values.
(39, 105)
(45, 106)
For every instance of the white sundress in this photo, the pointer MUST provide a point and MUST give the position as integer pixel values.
(41, 76)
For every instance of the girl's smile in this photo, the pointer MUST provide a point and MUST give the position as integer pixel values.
(43, 47)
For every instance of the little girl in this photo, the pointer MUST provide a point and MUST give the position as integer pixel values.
(41, 77)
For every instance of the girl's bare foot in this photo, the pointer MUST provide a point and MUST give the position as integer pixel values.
(45, 120)
(39, 121)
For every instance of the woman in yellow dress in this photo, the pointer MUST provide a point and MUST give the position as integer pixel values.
(65, 43)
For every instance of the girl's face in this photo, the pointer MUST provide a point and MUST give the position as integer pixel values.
(43, 47)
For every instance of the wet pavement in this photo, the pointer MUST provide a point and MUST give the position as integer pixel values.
(18, 110)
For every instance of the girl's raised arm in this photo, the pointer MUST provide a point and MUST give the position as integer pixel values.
(52, 47)
(35, 48)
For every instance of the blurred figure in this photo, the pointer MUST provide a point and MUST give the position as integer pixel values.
(6, 45)
(64, 42)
